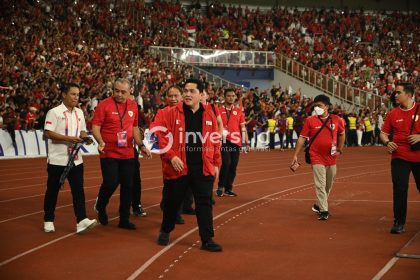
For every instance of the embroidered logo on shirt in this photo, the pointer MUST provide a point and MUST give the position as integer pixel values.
(114, 113)
(209, 123)
(130, 113)
(235, 113)
(48, 122)
(400, 120)
(176, 121)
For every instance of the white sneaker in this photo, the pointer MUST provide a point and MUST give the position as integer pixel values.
(49, 227)
(85, 224)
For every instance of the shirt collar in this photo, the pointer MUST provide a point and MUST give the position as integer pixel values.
(186, 108)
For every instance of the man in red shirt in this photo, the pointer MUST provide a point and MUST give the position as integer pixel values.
(234, 131)
(114, 127)
(406, 130)
(323, 150)
(192, 159)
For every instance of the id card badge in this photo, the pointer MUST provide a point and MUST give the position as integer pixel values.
(122, 139)
(333, 149)
(70, 151)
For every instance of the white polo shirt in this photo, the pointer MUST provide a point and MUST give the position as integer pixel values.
(60, 120)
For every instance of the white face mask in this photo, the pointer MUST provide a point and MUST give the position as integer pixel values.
(319, 111)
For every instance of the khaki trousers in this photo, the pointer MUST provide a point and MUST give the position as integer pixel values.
(323, 178)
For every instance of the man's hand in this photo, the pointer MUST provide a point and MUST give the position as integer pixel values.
(145, 151)
(414, 138)
(74, 139)
(101, 147)
(294, 161)
(177, 164)
(391, 146)
(216, 173)
(87, 140)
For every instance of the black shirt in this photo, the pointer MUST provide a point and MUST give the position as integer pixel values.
(193, 131)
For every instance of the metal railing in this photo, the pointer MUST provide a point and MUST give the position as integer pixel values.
(169, 60)
(221, 58)
(328, 84)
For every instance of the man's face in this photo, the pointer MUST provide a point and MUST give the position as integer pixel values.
(204, 97)
(400, 95)
(174, 97)
(71, 98)
(120, 92)
(192, 95)
(230, 97)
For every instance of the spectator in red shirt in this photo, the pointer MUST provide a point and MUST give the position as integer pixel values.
(323, 150)
(114, 126)
(406, 130)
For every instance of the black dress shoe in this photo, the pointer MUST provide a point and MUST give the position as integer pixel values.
(127, 225)
(210, 246)
(397, 228)
(188, 211)
(179, 220)
(163, 239)
(102, 217)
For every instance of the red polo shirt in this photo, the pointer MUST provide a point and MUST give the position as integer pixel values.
(398, 121)
(321, 147)
(232, 120)
(107, 117)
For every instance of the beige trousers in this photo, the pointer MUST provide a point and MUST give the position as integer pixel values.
(323, 178)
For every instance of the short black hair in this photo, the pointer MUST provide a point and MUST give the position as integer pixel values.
(408, 87)
(323, 99)
(199, 83)
(229, 90)
(171, 87)
(66, 87)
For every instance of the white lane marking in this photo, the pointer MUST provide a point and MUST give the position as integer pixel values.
(145, 265)
(50, 242)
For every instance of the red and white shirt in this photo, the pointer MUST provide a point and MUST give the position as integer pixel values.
(320, 150)
(232, 120)
(108, 118)
(398, 122)
(60, 120)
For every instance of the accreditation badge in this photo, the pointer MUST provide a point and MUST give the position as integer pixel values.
(70, 152)
(333, 149)
(122, 139)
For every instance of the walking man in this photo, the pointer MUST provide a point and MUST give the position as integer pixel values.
(192, 160)
(234, 132)
(64, 126)
(115, 125)
(323, 150)
(406, 130)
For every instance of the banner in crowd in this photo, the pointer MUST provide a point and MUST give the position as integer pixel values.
(33, 144)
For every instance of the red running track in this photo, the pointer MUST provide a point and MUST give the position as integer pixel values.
(268, 231)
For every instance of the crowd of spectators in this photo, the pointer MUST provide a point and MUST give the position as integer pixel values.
(44, 45)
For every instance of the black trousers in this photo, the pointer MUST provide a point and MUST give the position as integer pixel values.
(175, 190)
(272, 142)
(136, 190)
(400, 170)
(230, 159)
(352, 137)
(114, 172)
(289, 138)
(281, 136)
(75, 178)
